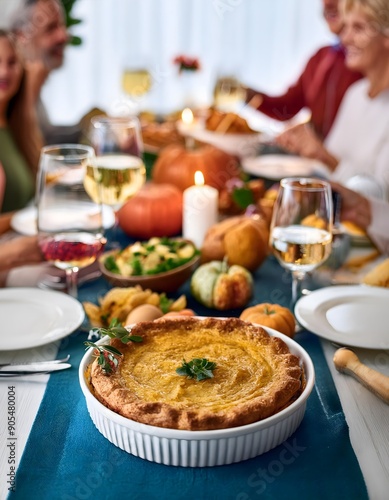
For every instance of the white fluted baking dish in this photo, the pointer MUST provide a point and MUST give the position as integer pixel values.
(200, 448)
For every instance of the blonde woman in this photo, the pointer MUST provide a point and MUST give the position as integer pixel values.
(20, 139)
(358, 142)
(320, 87)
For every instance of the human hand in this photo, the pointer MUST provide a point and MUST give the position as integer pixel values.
(23, 250)
(354, 207)
(302, 140)
(36, 69)
(253, 98)
(86, 119)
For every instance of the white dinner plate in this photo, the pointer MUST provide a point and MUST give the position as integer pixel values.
(276, 167)
(31, 317)
(356, 316)
(24, 221)
(241, 145)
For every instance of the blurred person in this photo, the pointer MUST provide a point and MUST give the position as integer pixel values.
(359, 139)
(20, 140)
(16, 254)
(320, 87)
(39, 26)
(369, 214)
(19, 251)
(2, 185)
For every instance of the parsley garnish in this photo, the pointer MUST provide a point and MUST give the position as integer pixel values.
(106, 354)
(200, 369)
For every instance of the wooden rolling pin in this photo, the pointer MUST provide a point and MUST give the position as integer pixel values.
(346, 361)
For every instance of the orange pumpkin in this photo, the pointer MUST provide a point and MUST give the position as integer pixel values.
(156, 210)
(177, 165)
(272, 315)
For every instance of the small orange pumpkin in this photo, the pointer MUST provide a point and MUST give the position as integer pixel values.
(272, 315)
(177, 165)
(156, 210)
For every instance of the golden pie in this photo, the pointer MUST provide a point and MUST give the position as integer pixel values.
(255, 376)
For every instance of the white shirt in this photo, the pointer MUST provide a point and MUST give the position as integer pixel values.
(379, 227)
(359, 138)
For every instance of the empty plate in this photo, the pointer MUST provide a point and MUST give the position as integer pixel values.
(355, 316)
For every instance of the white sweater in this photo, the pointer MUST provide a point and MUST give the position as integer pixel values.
(359, 138)
(379, 227)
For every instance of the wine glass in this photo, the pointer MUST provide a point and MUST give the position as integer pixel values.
(119, 161)
(228, 93)
(301, 227)
(136, 81)
(69, 223)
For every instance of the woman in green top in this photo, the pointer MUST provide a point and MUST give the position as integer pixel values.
(19, 134)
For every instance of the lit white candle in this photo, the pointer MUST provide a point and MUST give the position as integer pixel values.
(200, 210)
(188, 121)
(187, 117)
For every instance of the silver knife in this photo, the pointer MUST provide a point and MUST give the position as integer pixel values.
(36, 363)
(32, 369)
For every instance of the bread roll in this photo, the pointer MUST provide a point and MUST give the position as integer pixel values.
(379, 275)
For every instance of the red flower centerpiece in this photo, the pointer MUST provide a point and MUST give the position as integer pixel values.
(186, 63)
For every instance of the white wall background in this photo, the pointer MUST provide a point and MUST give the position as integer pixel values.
(265, 43)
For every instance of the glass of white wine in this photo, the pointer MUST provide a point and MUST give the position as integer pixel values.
(228, 94)
(119, 160)
(136, 81)
(301, 227)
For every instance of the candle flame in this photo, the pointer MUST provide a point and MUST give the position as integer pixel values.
(187, 116)
(199, 178)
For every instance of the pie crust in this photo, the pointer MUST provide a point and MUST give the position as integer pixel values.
(255, 377)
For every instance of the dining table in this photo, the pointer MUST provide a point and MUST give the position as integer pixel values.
(52, 449)
(340, 450)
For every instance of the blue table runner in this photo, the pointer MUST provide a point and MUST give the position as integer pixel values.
(67, 458)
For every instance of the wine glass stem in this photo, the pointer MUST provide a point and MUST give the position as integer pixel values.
(71, 281)
(297, 278)
(113, 242)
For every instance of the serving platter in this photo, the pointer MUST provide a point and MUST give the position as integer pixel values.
(199, 448)
(32, 317)
(241, 145)
(276, 167)
(356, 316)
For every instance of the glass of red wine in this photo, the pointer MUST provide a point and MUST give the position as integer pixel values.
(69, 222)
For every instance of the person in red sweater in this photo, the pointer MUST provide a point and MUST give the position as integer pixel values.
(320, 87)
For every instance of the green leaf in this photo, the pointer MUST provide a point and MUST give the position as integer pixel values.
(72, 22)
(113, 350)
(109, 362)
(164, 303)
(118, 331)
(198, 368)
(135, 338)
(110, 264)
(243, 197)
(137, 268)
(183, 371)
